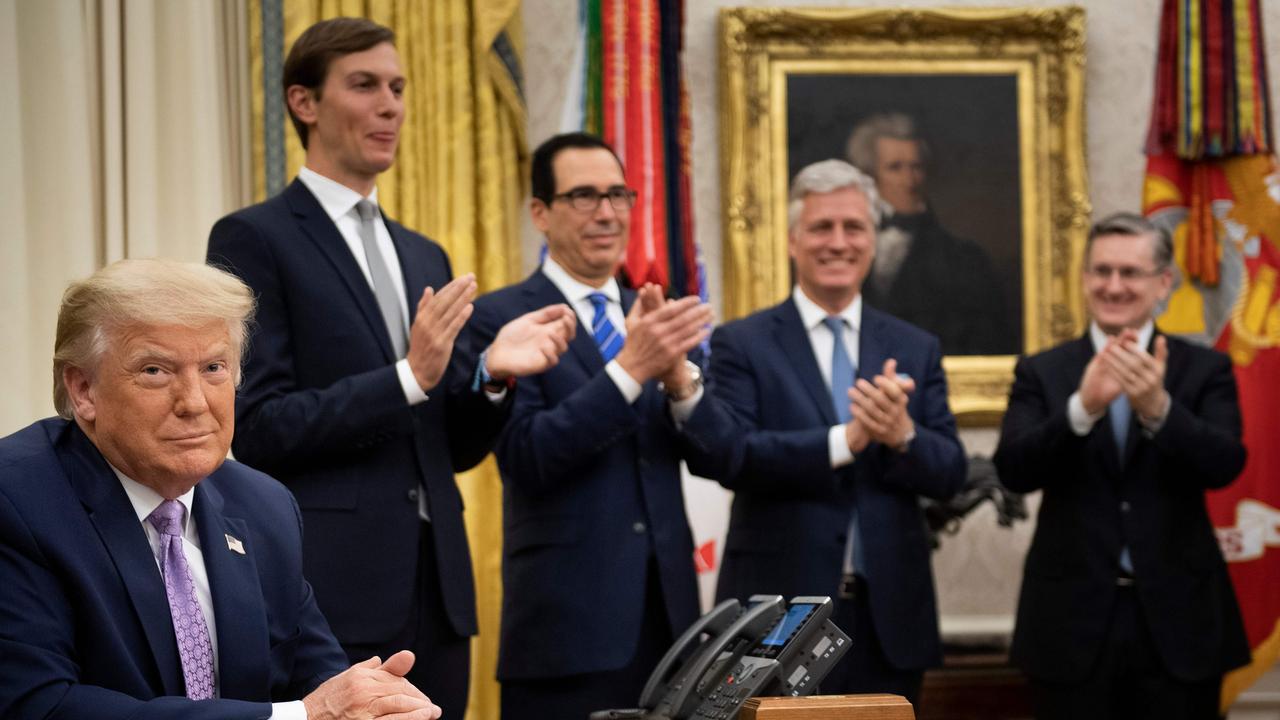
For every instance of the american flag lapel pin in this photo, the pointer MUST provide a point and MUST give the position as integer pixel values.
(234, 544)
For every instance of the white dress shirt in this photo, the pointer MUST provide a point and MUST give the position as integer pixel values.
(339, 203)
(145, 501)
(822, 342)
(578, 295)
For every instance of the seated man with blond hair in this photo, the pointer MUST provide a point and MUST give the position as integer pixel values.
(144, 574)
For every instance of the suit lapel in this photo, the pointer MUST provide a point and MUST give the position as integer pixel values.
(117, 525)
(793, 342)
(317, 226)
(415, 281)
(873, 344)
(238, 605)
(541, 292)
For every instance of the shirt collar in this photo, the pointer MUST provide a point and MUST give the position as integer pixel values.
(1099, 338)
(812, 316)
(335, 198)
(574, 290)
(145, 500)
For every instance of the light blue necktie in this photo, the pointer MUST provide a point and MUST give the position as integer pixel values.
(842, 370)
(1119, 413)
(607, 337)
(842, 375)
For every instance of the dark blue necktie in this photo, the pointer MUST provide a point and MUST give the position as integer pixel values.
(607, 337)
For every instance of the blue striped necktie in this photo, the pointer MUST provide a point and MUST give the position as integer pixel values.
(607, 337)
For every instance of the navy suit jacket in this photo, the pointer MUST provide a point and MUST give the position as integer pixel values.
(321, 409)
(790, 514)
(1095, 502)
(591, 492)
(85, 629)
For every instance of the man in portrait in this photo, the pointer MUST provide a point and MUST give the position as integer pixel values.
(1126, 607)
(922, 273)
(355, 395)
(843, 426)
(144, 574)
(598, 573)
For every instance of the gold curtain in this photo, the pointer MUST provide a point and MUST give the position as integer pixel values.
(460, 178)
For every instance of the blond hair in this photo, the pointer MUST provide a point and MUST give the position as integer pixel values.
(147, 292)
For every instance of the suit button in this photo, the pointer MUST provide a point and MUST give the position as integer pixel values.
(638, 527)
(1124, 506)
(413, 495)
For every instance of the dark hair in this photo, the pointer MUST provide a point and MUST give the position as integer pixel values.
(543, 180)
(1134, 225)
(318, 46)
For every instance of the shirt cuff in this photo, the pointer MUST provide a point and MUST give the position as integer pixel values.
(627, 385)
(838, 447)
(413, 392)
(1080, 420)
(292, 710)
(682, 410)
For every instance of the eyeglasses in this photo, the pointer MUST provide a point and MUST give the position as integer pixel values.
(1127, 273)
(587, 199)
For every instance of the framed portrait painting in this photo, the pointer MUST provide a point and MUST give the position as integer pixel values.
(970, 121)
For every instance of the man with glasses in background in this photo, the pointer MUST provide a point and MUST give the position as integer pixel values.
(1126, 608)
(598, 574)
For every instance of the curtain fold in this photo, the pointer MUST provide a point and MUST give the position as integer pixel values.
(122, 143)
(460, 177)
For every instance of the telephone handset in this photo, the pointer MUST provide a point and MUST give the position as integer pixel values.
(768, 648)
(684, 651)
(791, 659)
(710, 664)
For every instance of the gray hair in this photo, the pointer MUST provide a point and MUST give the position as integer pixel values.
(827, 176)
(861, 147)
(146, 292)
(1134, 225)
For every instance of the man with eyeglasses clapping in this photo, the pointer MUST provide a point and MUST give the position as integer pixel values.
(598, 571)
(1126, 606)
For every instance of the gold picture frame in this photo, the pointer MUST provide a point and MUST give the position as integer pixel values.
(1039, 51)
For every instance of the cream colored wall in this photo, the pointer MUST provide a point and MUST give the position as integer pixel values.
(120, 137)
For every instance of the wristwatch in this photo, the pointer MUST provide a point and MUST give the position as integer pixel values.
(905, 445)
(686, 392)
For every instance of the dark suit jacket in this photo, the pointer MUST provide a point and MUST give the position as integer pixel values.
(321, 409)
(85, 630)
(1095, 502)
(790, 515)
(591, 492)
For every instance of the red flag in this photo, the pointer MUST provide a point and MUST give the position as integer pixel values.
(1236, 202)
(633, 126)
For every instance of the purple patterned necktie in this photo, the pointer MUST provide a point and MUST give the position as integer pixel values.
(194, 645)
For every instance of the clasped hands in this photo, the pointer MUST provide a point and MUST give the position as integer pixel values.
(660, 333)
(879, 409)
(1122, 366)
(529, 344)
(371, 689)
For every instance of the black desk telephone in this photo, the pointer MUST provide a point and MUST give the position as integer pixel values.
(730, 654)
